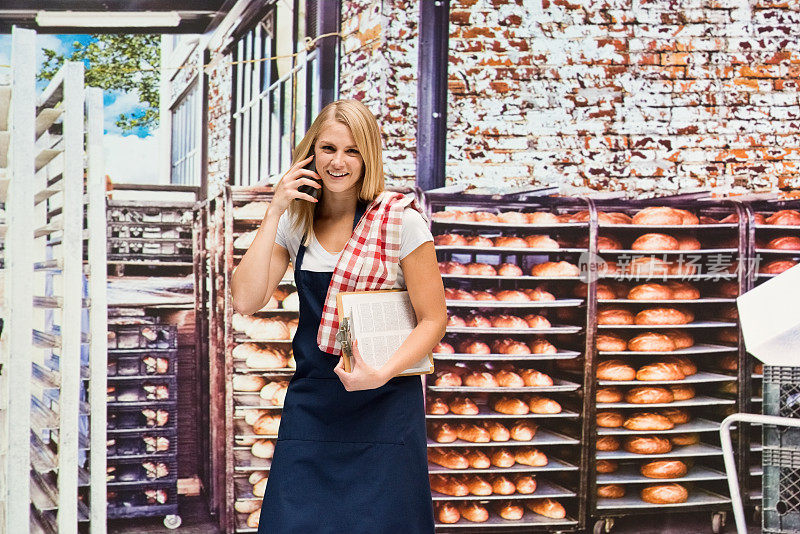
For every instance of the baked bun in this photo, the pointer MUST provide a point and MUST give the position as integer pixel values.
(478, 460)
(604, 291)
(655, 242)
(267, 425)
(648, 266)
(615, 370)
(542, 346)
(447, 513)
(686, 365)
(481, 269)
(437, 406)
(610, 491)
(509, 346)
(503, 458)
(253, 519)
(650, 292)
(687, 217)
(609, 394)
(479, 241)
(777, 266)
(534, 378)
(547, 508)
(473, 433)
(543, 405)
(610, 343)
(681, 338)
(508, 379)
(480, 379)
(509, 269)
(607, 443)
(509, 510)
(678, 416)
(510, 406)
(512, 217)
(511, 295)
(683, 291)
(784, 243)
(478, 485)
(542, 217)
(450, 240)
(647, 445)
(660, 371)
(507, 241)
(473, 347)
(485, 217)
(555, 268)
(681, 393)
(648, 422)
(664, 469)
(682, 440)
(523, 431)
(606, 466)
(729, 362)
(662, 316)
(507, 321)
(447, 485)
(452, 267)
(784, 218)
(443, 433)
(539, 295)
(541, 242)
(536, 321)
(263, 448)
(249, 383)
(665, 494)
(529, 456)
(463, 406)
(728, 335)
(687, 242)
(444, 348)
(658, 216)
(457, 294)
(247, 507)
(609, 419)
(448, 379)
(648, 395)
(614, 316)
(449, 458)
(651, 342)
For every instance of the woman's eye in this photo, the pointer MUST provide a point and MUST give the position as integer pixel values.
(353, 151)
(327, 147)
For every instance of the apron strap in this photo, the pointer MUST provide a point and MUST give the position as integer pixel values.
(361, 208)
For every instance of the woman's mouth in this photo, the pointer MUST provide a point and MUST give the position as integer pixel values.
(337, 174)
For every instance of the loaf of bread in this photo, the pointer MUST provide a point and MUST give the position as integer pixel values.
(471, 346)
(247, 507)
(647, 445)
(664, 469)
(681, 393)
(648, 421)
(658, 215)
(450, 240)
(547, 508)
(510, 406)
(534, 378)
(509, 379)
(541, 242)
(509, 269)
(784, 218)
(543, 405)
(478, 460)
(449, 458)
(509, 510)
(507, 241)
(610, 491)
(509, 346)
(502, 485)
(650, 292)
(681, 338)
(551, 268)
(609, 419)
(529, 456)
(267, 425)
(443, 348)
(248, 383)
(444, 433)
(473, 511)
(607, 443)
(663, 316)
(481, 269)
(542, 346)
(448, 485)
(651, 342)
(480, 379)
(253, 519)
(614, 316)
(615, 370)
(503, 458)
(437, 406)
(610, 343)
(479, 241)
(606, 466)
(660, 371)
(777, 266)
(665, 494)
(542, 217)
(447, 513)
(648, 395)
(648, 266)
(681, 440)
(683, 290)
(678, 416)
(472, 433)
(609, 394)
(523, 431)
(478, 485)
(655, 241)
(784, 243)
(263, 448)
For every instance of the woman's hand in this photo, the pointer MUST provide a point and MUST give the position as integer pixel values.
(286, 190)
(362, 376)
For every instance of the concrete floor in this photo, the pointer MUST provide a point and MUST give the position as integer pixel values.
(194, 520)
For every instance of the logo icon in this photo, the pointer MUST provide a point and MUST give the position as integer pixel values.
(591, 266)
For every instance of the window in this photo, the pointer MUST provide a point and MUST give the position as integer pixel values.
(274, 100)
(185, 150)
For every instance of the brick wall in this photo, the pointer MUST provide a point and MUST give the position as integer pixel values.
(219, 120)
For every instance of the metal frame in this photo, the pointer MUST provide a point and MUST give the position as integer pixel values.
(185, 146)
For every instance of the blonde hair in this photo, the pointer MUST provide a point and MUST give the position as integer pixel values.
(364, 129)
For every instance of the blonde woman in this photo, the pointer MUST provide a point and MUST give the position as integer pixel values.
(351, 451)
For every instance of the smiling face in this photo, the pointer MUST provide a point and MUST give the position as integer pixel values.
(337, 158)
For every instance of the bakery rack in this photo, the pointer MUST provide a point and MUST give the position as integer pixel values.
(705, 478)
(559, 434)
(767, 451)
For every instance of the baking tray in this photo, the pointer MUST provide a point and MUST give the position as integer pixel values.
(705, 300)
(528, 520)
(696, 324)
(669, 226)
(553, 464)
(472, 304)
(695, 425)
(243, 430)
(241, 368)
(700, 348)
(245, 339)
(544, 489)
(508, 226)
(512, 250)
(756, 471)
(543, 437)
(487, 413)
(524, 278)
(698, 378)
(245, 462)
(699, 449)
(699, 400)
(697, 497)
(560, 355)
(787, 227)
(650, 277)
(244, 490)
(557, 329)
(629, 474)
(632, 252)
(241, 524)
(778, 251)
(252, 400)
(558, 386)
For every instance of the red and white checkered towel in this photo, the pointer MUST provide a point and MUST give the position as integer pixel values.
(369, 262)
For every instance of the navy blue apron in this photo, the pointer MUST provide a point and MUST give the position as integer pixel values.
(345, 462)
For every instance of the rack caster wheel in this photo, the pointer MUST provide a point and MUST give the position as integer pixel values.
(172, 521)
(717, 522)
(603, 525)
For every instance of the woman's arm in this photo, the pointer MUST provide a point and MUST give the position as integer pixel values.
(425, 288)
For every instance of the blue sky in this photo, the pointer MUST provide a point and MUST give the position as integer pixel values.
(130, 157)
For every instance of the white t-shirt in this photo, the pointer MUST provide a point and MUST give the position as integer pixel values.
(414, 232)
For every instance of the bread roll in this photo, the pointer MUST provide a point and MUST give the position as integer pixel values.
(664, 469)
(615, 370)
(614, 316)
(534, 378)
(509, 510)
(478, 485)
(648, 266)
(609, 394)
(447, 485)
(681, 393)
(678, 416)
(509, 346)
(542, 217)
(449, 458)
(784, 243)
(729, 362)
(266, 359)
(481, 269)
(447, 513)
(650, 292)
(483, 379)
(606, 466)
(267, 425)
(686, 365)
(502, 485)
(510, 406)
(560, 268)
(263, 448)
(523, 431)
(455, 320)
(665, 494)
(477, 321)
(509, 269)
(509, 242)
(681, 338)
(655, 242)
(452, 267)
(662, 316)
(660, 371)
(509, 379)
(547, 508)
(444, 433)
(473, 347)
(511, 295)
(648, 395)
(542, 346)
(657, 215)
(543, 405)
(683, 291)
(479, 241)
(687, 217)
(604, 291)
(648, 422)
(681, 440)
(473, 511)
(497, 431)
(541, 242)
(472, 433)
(447, 379)
(609, 419)
(777, 266)
(450, 240)
(651, 342)
(784, 218)
(529, 456)
(503, 458)
(647, 445)
(617, 217)
(272, 329)
(463, 406)
(607, 443)
(443, 348)
(536, 321)
(253, 519)
(249, 383)
(610, 491)
(508, 321)
(437, 406)
(610, 343)
(247, 507)
(478, 460)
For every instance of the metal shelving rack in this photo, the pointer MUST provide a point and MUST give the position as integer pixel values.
(559, 435)
(57, 290)
(708, 407)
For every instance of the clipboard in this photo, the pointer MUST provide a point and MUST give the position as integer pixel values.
(367, 314)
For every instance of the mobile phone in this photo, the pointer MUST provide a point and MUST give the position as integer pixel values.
(315, 192)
